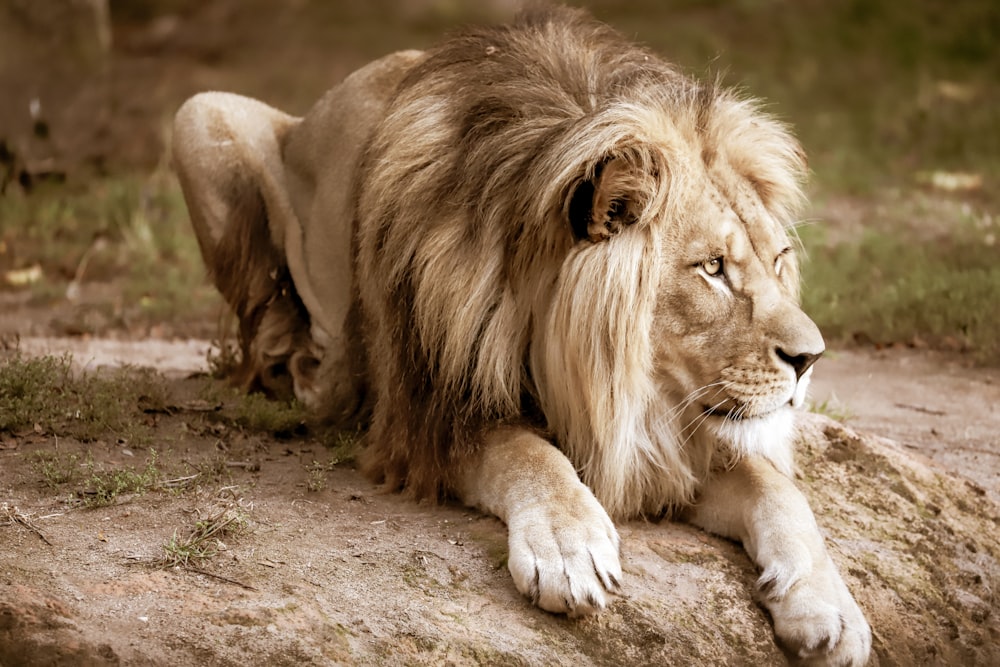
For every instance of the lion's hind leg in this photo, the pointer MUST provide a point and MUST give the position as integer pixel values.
(227, 153)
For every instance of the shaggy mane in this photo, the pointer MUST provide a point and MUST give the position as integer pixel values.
(483, 305)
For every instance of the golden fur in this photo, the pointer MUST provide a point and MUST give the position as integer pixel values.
(481, 298)
(531, 235)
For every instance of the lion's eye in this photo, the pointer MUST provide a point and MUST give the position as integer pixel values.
(779, 261)
(712, 267)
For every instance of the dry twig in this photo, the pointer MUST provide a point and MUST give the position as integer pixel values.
(16, 516)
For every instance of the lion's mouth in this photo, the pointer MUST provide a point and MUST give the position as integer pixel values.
(739, 413)
(732, 414)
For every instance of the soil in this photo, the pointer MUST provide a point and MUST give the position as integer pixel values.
(941, 405)
(331, 571)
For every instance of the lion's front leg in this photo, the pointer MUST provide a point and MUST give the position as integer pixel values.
(814, 613)
(563, 546)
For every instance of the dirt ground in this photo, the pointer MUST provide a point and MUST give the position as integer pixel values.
(940, 405)
(330, 571)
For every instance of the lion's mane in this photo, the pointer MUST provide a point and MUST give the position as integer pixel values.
(484, 299)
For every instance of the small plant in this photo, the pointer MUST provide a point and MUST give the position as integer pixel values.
(317, 476)
(343, 446)
(833, 409)
(31, 391)
(213, 469)
(204, 540)
(148, 387)
(223, 355)
(256, 412)
(56, 469)
(104, 487)
(96, 488)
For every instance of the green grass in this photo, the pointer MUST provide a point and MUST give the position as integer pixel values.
(57, 469)
(343, 445)
(256, 412)
(93, 485)
(45, 395)
(104, 487)
(129, 229)
(900, 288)
(833, 409)
(317, 476)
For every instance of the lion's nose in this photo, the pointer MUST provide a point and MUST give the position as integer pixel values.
(800, 362)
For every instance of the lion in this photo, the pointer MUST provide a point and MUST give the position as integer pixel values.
(554, 278)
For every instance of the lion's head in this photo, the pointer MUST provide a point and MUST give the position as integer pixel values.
(594, 242)
(674, 336)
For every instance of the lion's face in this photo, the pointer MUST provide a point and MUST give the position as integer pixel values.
(731, 344)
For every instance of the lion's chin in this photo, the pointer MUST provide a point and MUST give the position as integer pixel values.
(768, 434)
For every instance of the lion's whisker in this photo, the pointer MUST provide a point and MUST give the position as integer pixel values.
(698, 421)
(693, 396)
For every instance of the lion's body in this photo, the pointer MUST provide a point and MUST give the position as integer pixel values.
(529, 235)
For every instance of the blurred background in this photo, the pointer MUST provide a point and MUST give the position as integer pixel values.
(896, 103)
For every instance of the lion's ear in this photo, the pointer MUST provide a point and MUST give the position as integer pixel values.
(602, 206)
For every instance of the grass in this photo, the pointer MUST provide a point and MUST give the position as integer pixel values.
(104, 487)
(127, 229)
(93, 485)
(889, 287)
(256, 412)
(343, 447)
(317, 476)
(833, 409)
(44, 395)
(204, 540)
(57, 469)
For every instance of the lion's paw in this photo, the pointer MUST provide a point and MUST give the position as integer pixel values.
(565, 557)
(816, 617)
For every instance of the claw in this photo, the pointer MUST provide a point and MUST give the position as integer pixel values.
(536, 589)
(766, 586)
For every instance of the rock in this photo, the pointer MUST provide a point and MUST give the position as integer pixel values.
(38, 628)
(920, 549)
(324, 579)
